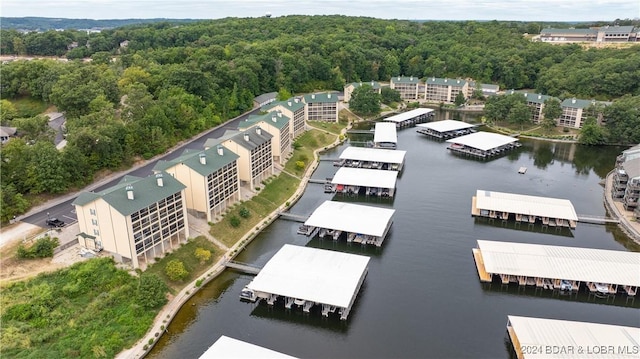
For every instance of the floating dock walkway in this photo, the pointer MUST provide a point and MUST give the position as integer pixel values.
(242, 267)
(306, 277)
(556, 267)
(293, 217)
(552, 338)
(522, 208)
(596, 219)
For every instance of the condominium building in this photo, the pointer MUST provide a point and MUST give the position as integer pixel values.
(210, 176)
(486, 89)
(278, 126)
(348, 89)
(443, 90)
(321, 107)
(136, 220)
(573, 112)
(294, 109)
(408, 87)
(255, 162)
(626, 183)
(535, 102)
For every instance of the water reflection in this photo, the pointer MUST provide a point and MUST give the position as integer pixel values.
(525, 227)
(313, 319)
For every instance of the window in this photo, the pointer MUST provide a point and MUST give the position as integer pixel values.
(96, 232)
(92, 211)
(94, 222)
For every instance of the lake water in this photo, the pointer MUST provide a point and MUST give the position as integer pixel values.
(422, 297)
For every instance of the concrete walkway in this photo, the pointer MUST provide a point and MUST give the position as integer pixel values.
(167, 313)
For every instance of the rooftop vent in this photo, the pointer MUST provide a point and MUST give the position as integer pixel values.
(274, 118)
(573, 100)
(539, 97)
(296, 100)
(159, 180)
(259, 131)
(220, 150)
(129, 189)
(313, 96)
(279, 114)
(203, 159)
(246, 137)
(289, 103)
(328, 95)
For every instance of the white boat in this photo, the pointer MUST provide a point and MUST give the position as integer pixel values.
(298, 301)
(565, 285)
(323, 232)
(336, 235)
(248, 294)
(351, 237)
(602, 288)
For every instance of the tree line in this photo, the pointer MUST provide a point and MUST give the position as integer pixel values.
(149, 86)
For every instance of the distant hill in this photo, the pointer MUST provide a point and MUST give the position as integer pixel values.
(48, 23)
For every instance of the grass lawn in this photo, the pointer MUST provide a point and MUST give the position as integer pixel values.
(88, 310)
(29, 106)
(333, 127)
(275, 193)
(306, 144)
(186, 254)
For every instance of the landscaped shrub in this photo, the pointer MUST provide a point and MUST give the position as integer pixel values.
(175, 270)
(300, 165)
(42, 248)
(244, 212)
(202, 254)
(234, 221)
(152, 291)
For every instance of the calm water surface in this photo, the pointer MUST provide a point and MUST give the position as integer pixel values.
(422, 297)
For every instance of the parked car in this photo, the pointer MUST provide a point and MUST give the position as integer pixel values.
(54, 222)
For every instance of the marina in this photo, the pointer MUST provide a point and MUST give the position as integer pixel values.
(553, 338)
(524, 209)
(412, 117)
(385, 136)
(358, 181)
(483, 145)
(359, 224)
(226, 347)
(601, 271)
(362, 157)
(306, 277)
(445, 129)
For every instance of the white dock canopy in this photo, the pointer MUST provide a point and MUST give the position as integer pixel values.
(405, 116)
(226, 347)
(552, 338)
(484, 141)
(353, 218)
(446, 125)
(373, 155)
(316, 275)
(525, 205)
(557, 262)
(365, 177)
(385, 132)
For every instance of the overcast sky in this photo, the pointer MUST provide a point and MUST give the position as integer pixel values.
(524, 10)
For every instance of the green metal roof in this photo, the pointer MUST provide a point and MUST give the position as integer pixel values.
(273, 118)
(290, 104)
(145, 192)
(321, 97)
(252, 139)
(213, 160)
(445, 81)
(531, 97)
(405, 79)
(376, 85)
(576, 103)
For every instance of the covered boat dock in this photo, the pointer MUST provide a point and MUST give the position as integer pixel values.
(360, 224)
(362, 157)
(385, 136)
(553, 338)
(483, 145)
(446, 129)
(555, 267)
(365, 181)
(227, 347)
(306, 277)
(527, 209)
(411, 118)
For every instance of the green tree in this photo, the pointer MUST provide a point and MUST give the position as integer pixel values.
(389, 95)
(551, 112)
(591, 133)
(283, 94)
(7, 112)
(175, 270)
(12, 203)
(519, 114)
(460, 99)
(365, 101)
(203, 255)
(151, 291)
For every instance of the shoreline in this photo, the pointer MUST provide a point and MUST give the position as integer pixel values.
(169, 311)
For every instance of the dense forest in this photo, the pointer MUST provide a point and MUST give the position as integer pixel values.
(149, 86)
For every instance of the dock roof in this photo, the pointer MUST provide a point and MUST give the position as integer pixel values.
(401, 117)
(365, 177)
(373, 154)
(483, 140)
(311, 274)
(550, 333)
(226, 347)
(558, 262)
(385, 132)
(527, 205)
(446, 125)
(352, 218)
